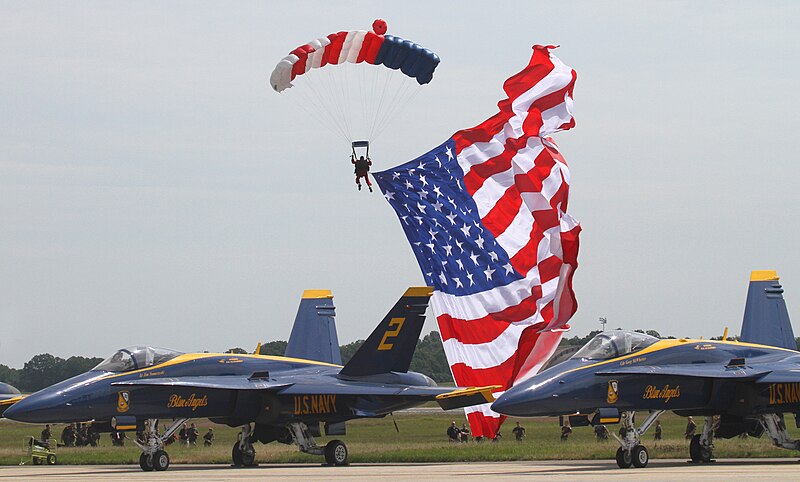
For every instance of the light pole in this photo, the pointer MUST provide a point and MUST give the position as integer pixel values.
(603, 322)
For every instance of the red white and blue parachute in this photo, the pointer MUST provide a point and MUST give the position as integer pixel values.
(357, 46)
(365, 96)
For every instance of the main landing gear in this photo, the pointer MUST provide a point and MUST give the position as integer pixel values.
(335, 451)
(631, 452)
(776, 429)
(154, 457)
(701, 447)
(243, 452)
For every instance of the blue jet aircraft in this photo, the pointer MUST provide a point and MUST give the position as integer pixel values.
(283, 399)
(750, 384)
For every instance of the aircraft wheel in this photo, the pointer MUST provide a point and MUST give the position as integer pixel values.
(705, 454)
(160, 460)
(236, 455)
(242, 459)
(695, 449)
(51, 459)
(146, 462)
(640, 457)
(336, 453)
(624, 458)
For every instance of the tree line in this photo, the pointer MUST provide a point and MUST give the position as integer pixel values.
(44, 370)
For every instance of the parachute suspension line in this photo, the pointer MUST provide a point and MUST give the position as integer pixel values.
(362, 89)
(317, 100)
(337, 98)
(404, 93)
(399, 93)
(399, 107)
(346, 101)
(313, 109)
(383, 97)
(372, 108)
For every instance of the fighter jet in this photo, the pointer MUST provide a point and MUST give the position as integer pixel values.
(8, 396)
(750, 384)
(283, 399)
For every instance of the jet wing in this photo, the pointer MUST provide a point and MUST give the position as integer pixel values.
(781, 376)
(447, 397)
(228, 382)
(689, 370)
(4, 404)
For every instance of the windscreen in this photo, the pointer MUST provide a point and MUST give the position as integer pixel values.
(613, 344)
(136, 357)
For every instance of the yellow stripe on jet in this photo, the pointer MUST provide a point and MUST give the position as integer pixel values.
(464, 397)
(463, 392)
(189, 357)
(11, 401)
(667, 344)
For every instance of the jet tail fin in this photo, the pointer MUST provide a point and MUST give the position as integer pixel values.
(314, 332)
(391, 346)
(766, 320)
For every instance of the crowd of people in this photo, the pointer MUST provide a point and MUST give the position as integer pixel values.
(82, 435)
(462, 435)
(601, 433)
(78, 435)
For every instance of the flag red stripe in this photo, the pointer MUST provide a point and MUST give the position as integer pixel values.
(481, 424)
(499, 218)
(537, 69)
(489, 327)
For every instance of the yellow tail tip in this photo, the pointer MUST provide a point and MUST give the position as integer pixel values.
(317, 294)
(419, 291)
(764, 275)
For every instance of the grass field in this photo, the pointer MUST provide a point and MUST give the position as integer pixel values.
(421, 439)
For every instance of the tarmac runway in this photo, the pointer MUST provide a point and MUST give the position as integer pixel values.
(723, 469)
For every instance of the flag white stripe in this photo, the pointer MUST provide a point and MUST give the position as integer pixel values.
(517, 234)
(492, 189)
(485, 409)
(485, 355)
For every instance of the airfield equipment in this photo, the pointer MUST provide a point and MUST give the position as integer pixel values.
(39, 452)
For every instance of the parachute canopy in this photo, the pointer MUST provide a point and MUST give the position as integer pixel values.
(374, 76)
(357, 46)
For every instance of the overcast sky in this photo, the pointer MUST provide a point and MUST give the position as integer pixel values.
(155, 190)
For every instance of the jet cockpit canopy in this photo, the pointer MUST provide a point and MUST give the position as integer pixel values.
(136, 357)
(613, 344)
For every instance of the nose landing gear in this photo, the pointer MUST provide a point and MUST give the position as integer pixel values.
(154, 457)
(631, 452)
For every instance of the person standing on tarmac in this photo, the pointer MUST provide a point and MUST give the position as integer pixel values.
(453, 433)
(208, 438)
(362, 170)
(192, 434)
(691, 427)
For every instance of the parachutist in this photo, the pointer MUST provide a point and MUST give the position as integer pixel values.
(362, 170)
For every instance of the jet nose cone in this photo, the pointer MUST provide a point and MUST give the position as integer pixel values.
(36, 408)
(515, 402)
(528, 399)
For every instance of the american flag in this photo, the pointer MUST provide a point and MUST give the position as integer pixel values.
(485, 213)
